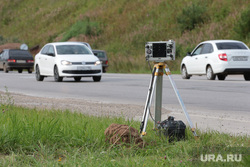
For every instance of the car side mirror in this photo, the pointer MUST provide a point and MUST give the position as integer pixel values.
(188, 53)
(51, 54)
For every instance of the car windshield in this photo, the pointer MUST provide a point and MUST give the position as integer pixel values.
(72, 49)
(100, 54)
(230, 45)
(22, 53)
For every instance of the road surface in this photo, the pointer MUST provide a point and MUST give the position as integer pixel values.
(219, 105)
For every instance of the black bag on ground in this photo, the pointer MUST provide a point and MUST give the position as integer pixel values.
(173, 130)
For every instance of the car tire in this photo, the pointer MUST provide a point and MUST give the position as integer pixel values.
(5, 69)
(39, 77)
(221, 77)
(29, 71)
(20, 71)
(77, 79)
(184, 73)
(97, 78)
(57, 78)
(210, 73)
(247, 76)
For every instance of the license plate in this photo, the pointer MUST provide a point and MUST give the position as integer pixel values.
(84, 68)
(240, 58)
(21, 61)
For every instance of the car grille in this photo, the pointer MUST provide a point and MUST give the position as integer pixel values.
(81, 63)
(81, 71)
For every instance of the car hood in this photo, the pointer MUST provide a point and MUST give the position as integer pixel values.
(78, 58)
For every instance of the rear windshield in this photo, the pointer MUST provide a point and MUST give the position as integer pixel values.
(72, 49)
(99, 54)
(230, 45)
(19, 53)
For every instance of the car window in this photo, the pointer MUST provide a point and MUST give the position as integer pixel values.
(99, 54)
(5, 54)
(230, 45)
(51, 50)
(19, 53)
(87, 45)
(45, 49)
(72, 49)
(198, 50)
(207, 48)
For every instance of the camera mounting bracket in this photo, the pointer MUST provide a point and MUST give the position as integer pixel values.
(156, 82)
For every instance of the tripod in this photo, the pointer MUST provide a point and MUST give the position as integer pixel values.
(157, 77)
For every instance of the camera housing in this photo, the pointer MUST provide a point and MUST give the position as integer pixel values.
(160, 51)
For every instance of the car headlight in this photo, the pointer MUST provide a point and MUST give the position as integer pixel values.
(65, 62)
(98, 62)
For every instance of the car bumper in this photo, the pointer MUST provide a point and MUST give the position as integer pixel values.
(80, 71)
(236, 71)
(20, 65)
(104, 65)
(225, 68)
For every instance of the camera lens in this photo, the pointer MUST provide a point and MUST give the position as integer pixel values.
(149, 51)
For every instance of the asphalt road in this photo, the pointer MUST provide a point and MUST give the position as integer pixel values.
(226, 100)
(233, 94)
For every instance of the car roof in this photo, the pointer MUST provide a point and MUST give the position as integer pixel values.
(222, 40)
(95, 50)
(63, 43)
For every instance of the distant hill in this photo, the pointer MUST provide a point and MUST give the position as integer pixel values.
(121, 27)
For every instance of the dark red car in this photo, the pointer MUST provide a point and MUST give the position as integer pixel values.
(101, 54)
(16, 59)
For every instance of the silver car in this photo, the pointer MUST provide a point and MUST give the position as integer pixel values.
(217, 58)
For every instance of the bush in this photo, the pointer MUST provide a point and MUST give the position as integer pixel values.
(242, 29)
(2, 40)
(86, 27)
(191, 16)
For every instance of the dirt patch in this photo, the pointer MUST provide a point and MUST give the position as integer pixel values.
(10, 46)
(117, 134)
(33, 50)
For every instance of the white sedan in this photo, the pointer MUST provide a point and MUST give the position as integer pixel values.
(67, 59)
(217, 58)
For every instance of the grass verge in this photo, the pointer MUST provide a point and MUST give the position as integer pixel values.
(31, 137)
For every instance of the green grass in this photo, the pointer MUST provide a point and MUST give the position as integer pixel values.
(32, 137)
(122, 28)
(54, 138)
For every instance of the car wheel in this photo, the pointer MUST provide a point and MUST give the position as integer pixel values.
(184, 73)
(20, 71)
(5, 69)
(56, 75)
(39, 77)
(29, 71)
(97, 78)
(77, 79)
(247, 76)
(210, 73)
(221, 77)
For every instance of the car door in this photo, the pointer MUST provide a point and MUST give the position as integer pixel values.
(193, 61)
(1, 60)
(41, 60)
(204, 58)
(50, 60)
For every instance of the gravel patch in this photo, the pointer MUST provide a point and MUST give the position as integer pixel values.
(94, 108)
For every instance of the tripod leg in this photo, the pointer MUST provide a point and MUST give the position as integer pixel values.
(180, 100)
(148, 103)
